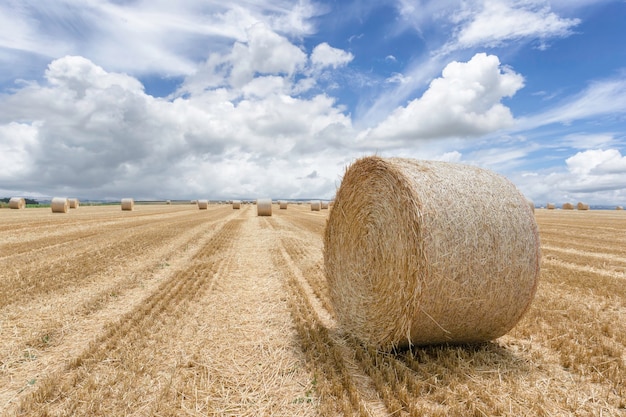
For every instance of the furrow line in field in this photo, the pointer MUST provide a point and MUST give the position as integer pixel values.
(584, 268)
(134, 329)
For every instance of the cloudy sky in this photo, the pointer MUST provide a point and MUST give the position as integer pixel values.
(157, 99)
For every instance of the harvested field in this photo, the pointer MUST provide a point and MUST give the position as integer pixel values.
(169, 310)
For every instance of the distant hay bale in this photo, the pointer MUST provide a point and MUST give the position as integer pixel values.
(568, 206)
(59, 205)
(203, 204)
(168, 202)
(531, 205)
(316, 205)
(264, 207)
(74, 203)
(324, 205)
(551, 206)
(425, 252)
(582, 206)
(17, 203)
(619, 208)
(236, 204)
(283, 205)
(128, 204)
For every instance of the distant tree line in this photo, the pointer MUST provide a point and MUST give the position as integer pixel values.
(27, 200)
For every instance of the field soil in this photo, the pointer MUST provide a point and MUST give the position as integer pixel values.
(168, 310)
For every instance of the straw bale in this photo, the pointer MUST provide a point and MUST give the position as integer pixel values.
(619, 208)
(128, 204)
(424, 252)
(203, 204)
(283, 205)
(582, 206)
(264, 207)
(74, 203)
(59, 205)
(236, 204)
(551, 206)
(531, 204)
(568, 206)
(324, 205)
(316, 205)
(17, 203)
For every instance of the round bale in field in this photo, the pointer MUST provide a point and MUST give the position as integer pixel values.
(316, 205)
(203, 204)
(236, 204)
(17, 203)
(619, 208)
(551, 206)
(128, 204)
(59, 205)
(74, 203)
(283, 205)
(582, 206)
(567, 206)
(425, 252)
(264, 207)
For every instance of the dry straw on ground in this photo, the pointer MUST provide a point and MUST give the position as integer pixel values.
(283, 205)
(264, 207)
(128, 204)
(59, 205)
(568, 206)
(17, 203)
(74, 203)
(203, 204)
(427, 252)
(582, 206)
(236, 204)
(316, 205)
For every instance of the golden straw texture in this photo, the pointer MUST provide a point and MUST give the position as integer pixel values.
(203, 204)
(424, 252)
(568, 206)
(316, 205)
(17, 203)
(264, 207)
(59, 205)
(128, 204)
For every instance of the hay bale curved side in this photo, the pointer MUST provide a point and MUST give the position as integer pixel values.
(619, 208)
(283, 205)
(316, 205)
(264, 207)
(551, 206)
(59, 205)
(203, 204)
(582, 206)
(236, 204)
(128, 204)
(567, 206)
(17, 203)
(423, 252)
(74, 203)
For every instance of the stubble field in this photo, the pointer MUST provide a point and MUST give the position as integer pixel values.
(175, 311)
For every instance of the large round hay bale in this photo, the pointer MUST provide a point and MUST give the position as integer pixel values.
(582, 206)
(128, 204)
(619, 208)
(424, 252)
(237, 204)
(203, 204)
(316, 205)
(17, 203)
(264, 207)
(283, 205)
(568, 206)
(551, 206)
(74, 203)
(59, 205)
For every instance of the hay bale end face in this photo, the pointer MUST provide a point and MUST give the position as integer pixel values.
(582, 206)
(203, 204)
(567, 206)
(236, 204)
(128, 204)
(424, 252)
(316, 205)
(59, 205)
(17, 203)
(264, 207)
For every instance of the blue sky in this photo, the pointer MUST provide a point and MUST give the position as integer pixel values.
(207, 99)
